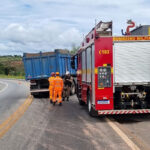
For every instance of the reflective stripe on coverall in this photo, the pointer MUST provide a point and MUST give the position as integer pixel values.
(51, 87)
(58, 87)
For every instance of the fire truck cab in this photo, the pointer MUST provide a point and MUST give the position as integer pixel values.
(113, 75)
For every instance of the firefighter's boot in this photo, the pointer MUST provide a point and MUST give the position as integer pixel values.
(67, 98)
(54, 103)
(50, 101)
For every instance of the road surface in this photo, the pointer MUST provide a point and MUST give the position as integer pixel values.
(47, 127)
(12, 94)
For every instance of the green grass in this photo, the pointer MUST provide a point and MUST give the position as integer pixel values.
(11, 77)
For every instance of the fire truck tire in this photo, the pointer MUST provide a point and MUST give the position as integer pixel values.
(92, 112)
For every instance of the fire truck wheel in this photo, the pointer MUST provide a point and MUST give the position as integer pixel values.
(91, 110)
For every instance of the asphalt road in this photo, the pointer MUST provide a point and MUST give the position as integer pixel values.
(12, 94)
(2, 86)
(67, 127)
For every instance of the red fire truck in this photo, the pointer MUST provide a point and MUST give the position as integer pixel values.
(113, 74)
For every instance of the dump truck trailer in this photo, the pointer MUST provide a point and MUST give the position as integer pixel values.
(39, 66)
(113, 75)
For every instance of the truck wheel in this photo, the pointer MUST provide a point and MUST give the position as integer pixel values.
(73, 88)
(91, 110)
(35, 95)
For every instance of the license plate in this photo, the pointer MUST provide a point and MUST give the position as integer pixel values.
(103, 102)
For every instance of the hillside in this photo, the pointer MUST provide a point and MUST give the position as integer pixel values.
(11, 65)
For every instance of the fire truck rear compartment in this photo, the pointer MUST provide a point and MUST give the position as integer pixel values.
(131, 76)
(132, 97)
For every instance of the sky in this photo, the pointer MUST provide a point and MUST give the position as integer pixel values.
(30, 26)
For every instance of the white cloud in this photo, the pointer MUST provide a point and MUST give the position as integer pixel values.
(34, 25)
(32, 38)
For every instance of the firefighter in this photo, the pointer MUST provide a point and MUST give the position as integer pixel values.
(51, 86)
(58, 87)
(67, 85)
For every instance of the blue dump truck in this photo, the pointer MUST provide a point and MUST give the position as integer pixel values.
(38, 68)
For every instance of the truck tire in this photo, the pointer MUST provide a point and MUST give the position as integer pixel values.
(35, 95)
(73, 89)
(78, 89)
(91, 110)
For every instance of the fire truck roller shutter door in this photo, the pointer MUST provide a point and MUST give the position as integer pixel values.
(83, 67)
(135, 69)
(93, 73)
(88, 64)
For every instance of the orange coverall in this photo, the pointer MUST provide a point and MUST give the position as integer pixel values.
(51, 87)
(58, 87)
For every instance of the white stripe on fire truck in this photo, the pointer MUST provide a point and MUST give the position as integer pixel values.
(88, 71)
(123, 112)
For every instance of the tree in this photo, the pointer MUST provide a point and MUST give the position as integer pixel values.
(74, 49)
(9, 70)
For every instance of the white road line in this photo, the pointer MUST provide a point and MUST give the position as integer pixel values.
(129, 142)
(6, 85)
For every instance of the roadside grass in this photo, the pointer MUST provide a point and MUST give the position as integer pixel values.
(11, 77)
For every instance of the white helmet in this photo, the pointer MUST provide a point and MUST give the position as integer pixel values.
(67, 72)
